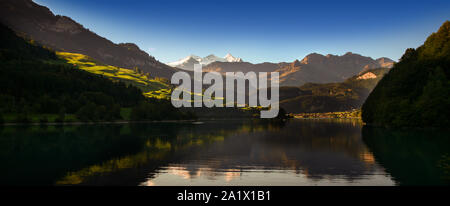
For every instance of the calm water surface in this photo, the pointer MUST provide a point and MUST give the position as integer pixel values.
(238, 152)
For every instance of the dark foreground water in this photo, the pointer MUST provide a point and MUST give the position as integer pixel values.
(299, 152)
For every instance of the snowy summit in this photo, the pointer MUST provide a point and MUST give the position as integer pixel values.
(188, 62)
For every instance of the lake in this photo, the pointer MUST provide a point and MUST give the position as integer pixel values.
(224, 152)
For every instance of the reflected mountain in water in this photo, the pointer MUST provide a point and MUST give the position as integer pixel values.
(231, 153)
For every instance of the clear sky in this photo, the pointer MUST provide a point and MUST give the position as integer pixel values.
(259, 31)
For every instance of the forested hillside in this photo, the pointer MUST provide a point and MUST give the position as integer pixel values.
(416, 92)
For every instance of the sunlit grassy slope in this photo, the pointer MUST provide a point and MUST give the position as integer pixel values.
(150, 87)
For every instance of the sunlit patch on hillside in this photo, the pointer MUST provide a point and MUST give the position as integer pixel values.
(150, 86)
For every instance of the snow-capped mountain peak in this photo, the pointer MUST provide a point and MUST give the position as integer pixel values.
(231, 58)
(191, 59)
(188, 62)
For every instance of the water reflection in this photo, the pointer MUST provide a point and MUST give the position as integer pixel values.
(40, 155)
(412, 156)
(299, 152)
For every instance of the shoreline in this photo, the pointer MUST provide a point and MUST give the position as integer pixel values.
(94, 123)
(316, 118)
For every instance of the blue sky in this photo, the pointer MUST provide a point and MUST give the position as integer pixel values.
(259, 31)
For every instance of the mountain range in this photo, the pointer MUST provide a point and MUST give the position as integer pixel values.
(61, 33)
(314, 68)
(188, 62)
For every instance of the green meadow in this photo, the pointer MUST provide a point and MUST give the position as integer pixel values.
(151, 87)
